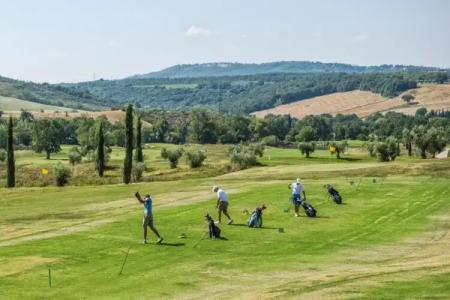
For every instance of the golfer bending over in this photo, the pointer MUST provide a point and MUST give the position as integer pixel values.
(148, 217)
(222, 204)
(297, 190)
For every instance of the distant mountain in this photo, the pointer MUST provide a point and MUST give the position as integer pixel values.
(55, 95)
(239, 69)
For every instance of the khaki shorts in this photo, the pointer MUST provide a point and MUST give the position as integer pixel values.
(223, 206)
(147, 221)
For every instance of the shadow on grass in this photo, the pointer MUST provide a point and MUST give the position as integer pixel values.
(171, 244)
(350, 158)
(245, 225)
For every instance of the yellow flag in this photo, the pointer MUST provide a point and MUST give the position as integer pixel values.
(332, 149)
(44, 171)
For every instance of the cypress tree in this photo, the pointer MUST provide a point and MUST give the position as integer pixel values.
(11, 168)
(139, 155)
(128, 161)
(101, 151)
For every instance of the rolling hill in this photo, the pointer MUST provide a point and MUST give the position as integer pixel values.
(246, 94)
(47, 94)
(14, 105)
(240, 69)
(363, 103)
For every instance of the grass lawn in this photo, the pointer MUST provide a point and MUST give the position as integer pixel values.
(389, 240)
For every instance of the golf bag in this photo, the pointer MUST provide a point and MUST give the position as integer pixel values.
(334, 195)
(255, 220)
(214, 230)
(310, 211)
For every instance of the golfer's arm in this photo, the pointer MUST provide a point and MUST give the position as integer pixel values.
(218, 201)
(138, 197)
(304, 195)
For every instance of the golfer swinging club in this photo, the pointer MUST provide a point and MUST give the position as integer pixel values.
(297, 190)
(148, 217)
(222, 204)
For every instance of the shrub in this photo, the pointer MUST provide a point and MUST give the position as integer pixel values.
(257, 148)
(408, 98)
(195, 159)
(138, 171)
(172, 156)
(371, 147)
(244, 156)
(306, 148)
(62, 174)
(2, 155)
(387, 150)
(74, 156)
(271, 140)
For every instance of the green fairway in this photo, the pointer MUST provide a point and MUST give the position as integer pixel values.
(388, 240)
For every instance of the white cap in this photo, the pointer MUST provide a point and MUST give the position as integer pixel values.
(298, 180)
(215, 188)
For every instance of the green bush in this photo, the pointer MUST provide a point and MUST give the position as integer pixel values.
(387, 150)
(138, 170)
(195, 159)
(257, 148)
(371, 148)
(62, 174)
(271, 140)
(74, 156)
(245, 156)
(2, 155)
(172, 156)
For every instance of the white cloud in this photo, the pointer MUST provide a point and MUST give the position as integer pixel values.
(360, 37)
(195, 31)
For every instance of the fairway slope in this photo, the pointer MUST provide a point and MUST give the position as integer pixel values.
(389, 234)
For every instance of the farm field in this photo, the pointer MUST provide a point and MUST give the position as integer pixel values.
(11, 105)
(364, 103)
(394, 221)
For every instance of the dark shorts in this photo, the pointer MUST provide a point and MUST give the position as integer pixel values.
(296, 200)
(223, 206)
(147, 221)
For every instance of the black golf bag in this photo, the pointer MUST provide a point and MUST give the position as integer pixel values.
(310, 211)
(213, 229)
(334, 195)
(255, 219)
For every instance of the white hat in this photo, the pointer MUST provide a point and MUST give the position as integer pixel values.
(298, 180)
(215, 188)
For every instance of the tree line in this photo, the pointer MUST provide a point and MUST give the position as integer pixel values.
(425, 132)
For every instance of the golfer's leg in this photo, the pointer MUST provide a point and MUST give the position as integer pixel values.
(154, 230)
(145, 232)
(225, 212)
(220, 213)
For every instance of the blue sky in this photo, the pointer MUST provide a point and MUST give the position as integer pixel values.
(63, 40)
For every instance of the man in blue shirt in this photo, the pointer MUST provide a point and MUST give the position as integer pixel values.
(148, 217)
